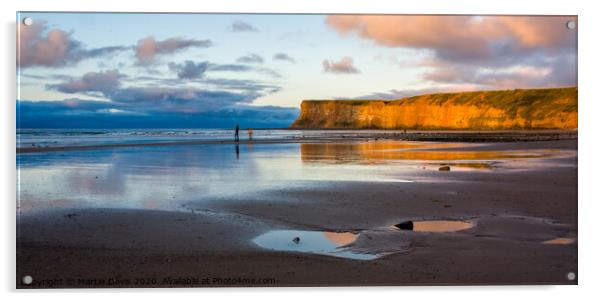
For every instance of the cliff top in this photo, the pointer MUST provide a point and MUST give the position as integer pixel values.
(505, 99)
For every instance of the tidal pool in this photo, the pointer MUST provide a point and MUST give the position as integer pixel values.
(340, 244)
(560, 241)
(317, 242)
(434, 226)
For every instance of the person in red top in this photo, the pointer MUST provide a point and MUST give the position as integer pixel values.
(250, 133)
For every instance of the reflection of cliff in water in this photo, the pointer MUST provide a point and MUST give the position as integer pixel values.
(340, 238)
(375, 152)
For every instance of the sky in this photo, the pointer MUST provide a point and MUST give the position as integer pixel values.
(96, 70)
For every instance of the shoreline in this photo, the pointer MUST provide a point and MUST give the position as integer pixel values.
(424, 136)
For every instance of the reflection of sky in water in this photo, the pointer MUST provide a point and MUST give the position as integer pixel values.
(318, 242)
(167, 177)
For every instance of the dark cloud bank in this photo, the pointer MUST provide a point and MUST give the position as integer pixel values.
(102, 114)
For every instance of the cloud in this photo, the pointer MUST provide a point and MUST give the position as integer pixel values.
(283, 57)
(242, 84)
(38, 46)
(394, 94)
(250, 59)
(228, 84)
(243, 68)
(555, 71)
(559, 73)
(148, 48)
(344, 66)
(486, 52)
(102, 51)
(460, 78)
(205, 79)
(158, 98)
(240, 26)
(459, 37)
(226, 68)
(190, 69)
(104, 82)
(525, 76)
(230, 67)
(181, 100)
(103, 114)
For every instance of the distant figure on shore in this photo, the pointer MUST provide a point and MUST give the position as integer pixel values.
(250, 133)
(236, 133)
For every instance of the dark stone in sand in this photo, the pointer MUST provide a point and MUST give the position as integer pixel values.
(409, 225)
(444, 168)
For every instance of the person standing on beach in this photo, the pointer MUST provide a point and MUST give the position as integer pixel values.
(250, 133)
(236, 133)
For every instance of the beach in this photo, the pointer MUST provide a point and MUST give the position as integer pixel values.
(215, 213)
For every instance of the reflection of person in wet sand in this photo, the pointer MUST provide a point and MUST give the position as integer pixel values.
(237, 149)
(250, 133)
(236, 133)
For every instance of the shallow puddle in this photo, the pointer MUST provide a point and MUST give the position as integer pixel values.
(434, 226)
(469, 166)
(317, 242)
(560, 241)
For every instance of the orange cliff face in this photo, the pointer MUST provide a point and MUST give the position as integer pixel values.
(483, 110)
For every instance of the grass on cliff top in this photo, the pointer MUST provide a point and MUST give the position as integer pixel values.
(509, 100)
(505, 99)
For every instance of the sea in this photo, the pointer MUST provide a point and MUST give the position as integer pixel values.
(92, 137)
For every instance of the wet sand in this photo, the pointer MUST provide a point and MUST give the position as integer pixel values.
(515, 208)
